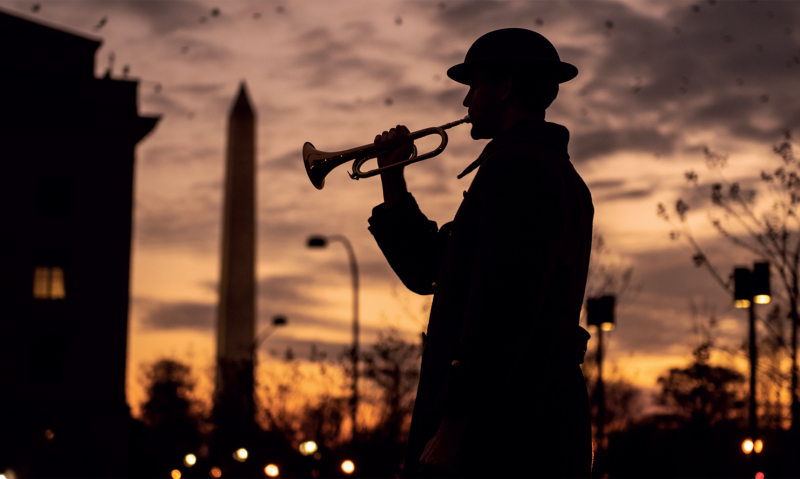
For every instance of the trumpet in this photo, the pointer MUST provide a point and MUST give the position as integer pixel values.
(319, 163)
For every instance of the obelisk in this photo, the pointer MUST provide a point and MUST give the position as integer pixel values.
(236, 313)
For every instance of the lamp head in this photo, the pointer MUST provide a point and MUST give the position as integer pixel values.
(600, 312)
(317, 241)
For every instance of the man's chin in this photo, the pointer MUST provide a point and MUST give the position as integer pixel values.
(478, 134)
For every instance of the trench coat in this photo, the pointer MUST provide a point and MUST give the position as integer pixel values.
(508, 276)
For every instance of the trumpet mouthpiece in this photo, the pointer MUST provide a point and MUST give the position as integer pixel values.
(467, 119)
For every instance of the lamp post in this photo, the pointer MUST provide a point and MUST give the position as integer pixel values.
(600, 316)
(277, 322)
(319, 241)
(751, 288)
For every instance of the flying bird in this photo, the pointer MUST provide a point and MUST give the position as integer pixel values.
(257, 15)
(125, 70)
(398, 21)
(35, 8)
(215, 12)
(101, 24)
(184, 49)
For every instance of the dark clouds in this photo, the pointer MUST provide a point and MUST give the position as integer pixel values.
(644, 85)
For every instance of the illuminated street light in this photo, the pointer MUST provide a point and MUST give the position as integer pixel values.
(747, 446)
(308, 448)
(758, 446)
(348, 467)
(190, 460)
(240, 454)
(271, 470)
(600, 318)
(320, 241)
(751, 288)
(215, 472)
(175, 474)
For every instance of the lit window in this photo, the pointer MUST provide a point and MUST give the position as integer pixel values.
(48, 282)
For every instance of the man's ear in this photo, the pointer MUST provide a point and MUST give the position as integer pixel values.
(506, 86)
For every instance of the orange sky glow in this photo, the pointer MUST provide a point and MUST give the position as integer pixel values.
(658, 82)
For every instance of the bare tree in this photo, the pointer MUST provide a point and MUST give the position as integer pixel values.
(393, 364)
(771, 233)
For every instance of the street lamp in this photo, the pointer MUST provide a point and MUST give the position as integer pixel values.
(600, 316)
(751, 288)
(320, 241)
(277, 322)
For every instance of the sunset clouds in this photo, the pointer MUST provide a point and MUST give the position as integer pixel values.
(658, 82)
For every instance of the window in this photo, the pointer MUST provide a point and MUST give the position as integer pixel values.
(48, 282)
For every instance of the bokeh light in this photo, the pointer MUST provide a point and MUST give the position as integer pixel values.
(190, 460)
(759, 475)
(240, 454)
(271, 470)
(747, 446)
(215, 472)
(758, 446)
(307, 448)
(175, 474)
(348, 467)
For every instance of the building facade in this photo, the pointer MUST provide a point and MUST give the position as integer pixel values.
(67, 153)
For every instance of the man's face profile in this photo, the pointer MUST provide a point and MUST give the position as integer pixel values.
(484, 101)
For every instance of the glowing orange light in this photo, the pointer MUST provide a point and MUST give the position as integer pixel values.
(308, 448)
(742, 303)
(190, 460)
(747, 446)
(271, 470)
(762, 299)
(215, 472)
(758, 446)
(607, 326)
(759, 475)
(348, 467)
(49, 434)
(176, 474)
(240, 454)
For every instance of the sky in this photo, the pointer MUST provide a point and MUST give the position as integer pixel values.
(659, 81)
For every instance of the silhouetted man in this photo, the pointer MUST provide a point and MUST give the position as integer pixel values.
(501, 392)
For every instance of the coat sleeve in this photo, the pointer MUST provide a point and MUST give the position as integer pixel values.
(412, 244)
(521, 227)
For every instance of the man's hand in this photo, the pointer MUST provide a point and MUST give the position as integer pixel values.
(394, 185)
(442, 450)
(397, 139)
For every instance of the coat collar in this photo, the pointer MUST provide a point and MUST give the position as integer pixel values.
(532, 130)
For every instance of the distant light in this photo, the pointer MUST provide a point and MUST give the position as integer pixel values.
(762, 299)
(49, 434)
(758, 446)
(607, 326)
(271, 470)
(747, 446)
(190, 460)
(240, 454)
(215, 472)
(348, 467)
(759, 475)
(308, 448)
(176, 474)
(742, 303)
(592, 328)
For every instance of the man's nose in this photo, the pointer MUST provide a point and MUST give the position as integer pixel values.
(468, 99)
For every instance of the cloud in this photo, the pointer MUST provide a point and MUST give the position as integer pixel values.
(183, 315)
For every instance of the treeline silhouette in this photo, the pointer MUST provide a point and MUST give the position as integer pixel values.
(173, 422)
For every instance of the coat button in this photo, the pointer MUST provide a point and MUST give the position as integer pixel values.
(450, 233)
(455, 363)
(433, 285)
(465, 193)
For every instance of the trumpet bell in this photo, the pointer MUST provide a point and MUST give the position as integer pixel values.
(313, 161)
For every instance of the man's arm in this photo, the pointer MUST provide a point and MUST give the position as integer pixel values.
(393, 181)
